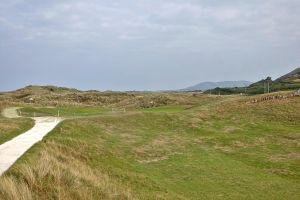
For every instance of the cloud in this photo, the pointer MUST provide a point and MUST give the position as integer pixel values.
(94, 20)
(191, 34)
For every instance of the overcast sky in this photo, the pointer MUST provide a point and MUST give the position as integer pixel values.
(145, 44)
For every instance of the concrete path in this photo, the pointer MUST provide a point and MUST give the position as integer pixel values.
(15, 148)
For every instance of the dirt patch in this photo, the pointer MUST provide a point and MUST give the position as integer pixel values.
(230, 129)
(153, 160)
(130, 137)
(160, 148)
(285, 157)
(240, 144)
(284, 172)
(225, 149)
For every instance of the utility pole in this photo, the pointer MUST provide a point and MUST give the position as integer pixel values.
(268, 86)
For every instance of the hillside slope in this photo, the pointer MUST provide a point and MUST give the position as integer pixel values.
(290, 81)
(292, 77)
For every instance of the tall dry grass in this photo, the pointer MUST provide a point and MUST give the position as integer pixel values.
(59, 174)
(13, 189)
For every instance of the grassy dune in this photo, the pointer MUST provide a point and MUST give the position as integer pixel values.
(212, 148)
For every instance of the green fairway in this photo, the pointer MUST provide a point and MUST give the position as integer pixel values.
(62, 111)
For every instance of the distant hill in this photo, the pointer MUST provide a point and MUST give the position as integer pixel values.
(211, 85)
(290, 81)
(48, 89)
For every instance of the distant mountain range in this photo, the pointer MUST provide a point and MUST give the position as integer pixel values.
(289, 81)
(211, 85)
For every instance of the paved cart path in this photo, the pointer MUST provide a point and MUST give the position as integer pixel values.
(15, 148)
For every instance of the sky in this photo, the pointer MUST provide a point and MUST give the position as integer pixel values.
(145, 44)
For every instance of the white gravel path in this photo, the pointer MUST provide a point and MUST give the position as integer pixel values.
(15, 148)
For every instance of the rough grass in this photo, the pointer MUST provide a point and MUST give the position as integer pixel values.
(168, 108)
(10, 128)
(219, 148)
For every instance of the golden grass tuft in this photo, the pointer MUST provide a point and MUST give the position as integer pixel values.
(59, 174)
(13, 189)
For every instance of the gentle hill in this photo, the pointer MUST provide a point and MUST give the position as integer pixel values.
(292, 77)
(211, 85)
(48, 89)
